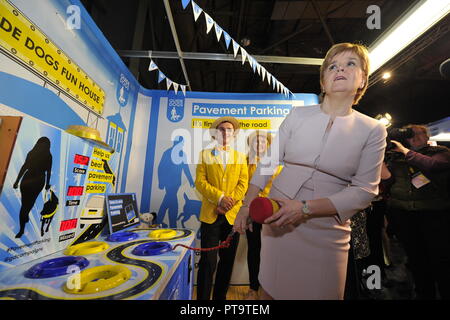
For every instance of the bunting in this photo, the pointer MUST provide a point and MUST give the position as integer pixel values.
(169, 83)
(209, 22)
(254, 65)
(185, 3)
(197, 10)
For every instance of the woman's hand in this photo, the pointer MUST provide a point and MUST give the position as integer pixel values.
(243, 221)
(290, 213)
(399, 147)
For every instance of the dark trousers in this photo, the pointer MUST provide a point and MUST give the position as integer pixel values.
(425, 236)
(375, 225)
(253, 254)
(353, 278)
(211, 236)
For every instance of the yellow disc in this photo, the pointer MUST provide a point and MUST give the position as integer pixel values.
(97, 279)
(86, 248)
(162, 234)
(275, 205)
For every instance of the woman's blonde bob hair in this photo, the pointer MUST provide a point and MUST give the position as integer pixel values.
(363, 55)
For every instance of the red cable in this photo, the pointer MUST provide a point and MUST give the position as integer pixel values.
(223, 244)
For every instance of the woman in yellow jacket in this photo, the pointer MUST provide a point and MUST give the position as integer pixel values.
(258, 143)
(222, 180)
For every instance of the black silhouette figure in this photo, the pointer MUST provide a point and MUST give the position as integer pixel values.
(48, 211)
(35, 173)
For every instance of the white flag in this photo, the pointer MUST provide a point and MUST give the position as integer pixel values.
(183, 88)
(175, 87)
(209, 22)
(235, 48)
(269, 76)
(197, 10)
(243, 54)
(169, 83)
(263, 73)
(219, 31)
(258, 66)
(152, 66)
(254, 64)
(273, 82)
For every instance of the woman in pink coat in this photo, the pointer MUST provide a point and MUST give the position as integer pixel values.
(332, 158)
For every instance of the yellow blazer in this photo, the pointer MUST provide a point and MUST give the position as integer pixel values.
(212, 181)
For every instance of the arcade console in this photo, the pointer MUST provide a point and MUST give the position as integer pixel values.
(135, 264)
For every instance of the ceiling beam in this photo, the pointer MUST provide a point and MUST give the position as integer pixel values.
(138, 36)
(177, 42)
(322, 20)
(217, 57)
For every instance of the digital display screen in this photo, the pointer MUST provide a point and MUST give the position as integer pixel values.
(68, 225)
(75, 191)
(79, 159)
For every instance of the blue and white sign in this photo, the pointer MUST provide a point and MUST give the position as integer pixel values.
(175, 110)
(123, 90)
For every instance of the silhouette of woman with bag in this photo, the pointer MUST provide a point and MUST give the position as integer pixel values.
(34, 174)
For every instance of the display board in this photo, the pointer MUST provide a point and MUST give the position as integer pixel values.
(122, 211)
(52, 182)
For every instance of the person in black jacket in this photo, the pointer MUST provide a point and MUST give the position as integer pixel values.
(419, 205)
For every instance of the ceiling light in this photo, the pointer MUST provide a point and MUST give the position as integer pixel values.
(245, 42)
(441, 137)
(385, 119)
(386, 75)
(409, 27)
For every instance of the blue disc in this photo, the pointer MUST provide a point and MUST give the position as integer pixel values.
(151, 249)
(122, 236)
(55, 267)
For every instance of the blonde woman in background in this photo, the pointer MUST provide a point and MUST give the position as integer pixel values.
(258, 143)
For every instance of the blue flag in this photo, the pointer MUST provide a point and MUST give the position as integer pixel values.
(161, 76)
(185, 3)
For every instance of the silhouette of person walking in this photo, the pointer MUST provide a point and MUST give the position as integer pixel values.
(173, 163)
(35, 173)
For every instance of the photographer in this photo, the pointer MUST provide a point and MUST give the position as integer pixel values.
(420, 209)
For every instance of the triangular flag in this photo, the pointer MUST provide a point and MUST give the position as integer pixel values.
(254, 65)
(169, 83)
(183, 88)
(263, 73)
(258, 66)
(269, 76)
(197, 10)
(235, 48)
(250, 61)
(278, 86)
(243, 55)
(219, 31)
(273, 82)
(209, 22)
(175, 87)
(185, 3)
(227, 39)
(152, 66)
(161, 76)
